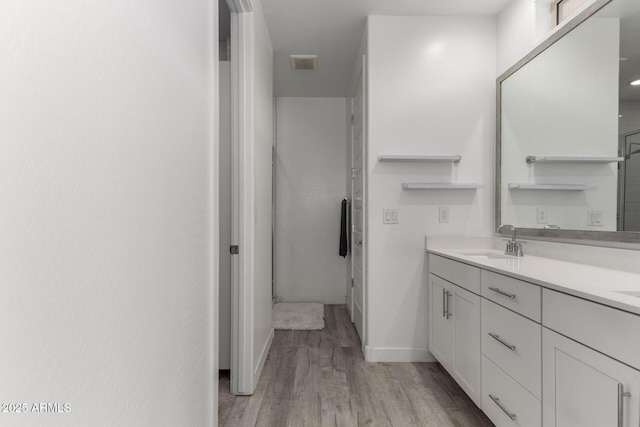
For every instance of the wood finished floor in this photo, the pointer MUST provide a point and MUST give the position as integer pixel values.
(319, 378)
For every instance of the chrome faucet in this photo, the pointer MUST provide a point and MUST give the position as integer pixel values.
(514, 247)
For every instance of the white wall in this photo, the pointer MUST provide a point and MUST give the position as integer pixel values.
(310, 187)
(547, 112)
(515, 33)
(431, 91)
(521, 26)
(263, 138)
(107, 125)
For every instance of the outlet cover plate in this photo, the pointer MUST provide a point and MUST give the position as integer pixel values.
(443, 214)
(541, 215)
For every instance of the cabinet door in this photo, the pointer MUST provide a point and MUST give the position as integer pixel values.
(440, 322)
(582, 387)
(465, 312)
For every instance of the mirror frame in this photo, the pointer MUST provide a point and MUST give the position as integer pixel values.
(599, 238)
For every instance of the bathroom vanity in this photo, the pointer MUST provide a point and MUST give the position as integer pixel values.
(537, 341)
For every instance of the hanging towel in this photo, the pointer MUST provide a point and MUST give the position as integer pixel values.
(344, 244)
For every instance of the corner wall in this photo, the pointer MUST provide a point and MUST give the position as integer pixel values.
(431, 90)
(106, 181)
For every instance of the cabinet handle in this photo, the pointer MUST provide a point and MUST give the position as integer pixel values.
(501, 292)
(444, 302)
(501, 341)
(497, 402)
(621, 395)
(448, 294)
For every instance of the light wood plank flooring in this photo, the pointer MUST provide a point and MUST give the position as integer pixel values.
(319, 378)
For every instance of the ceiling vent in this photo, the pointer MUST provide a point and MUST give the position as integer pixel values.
(303, 62)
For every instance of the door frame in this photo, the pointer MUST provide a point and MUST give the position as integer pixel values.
(242, 194)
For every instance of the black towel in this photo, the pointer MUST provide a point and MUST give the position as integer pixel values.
(344, 244)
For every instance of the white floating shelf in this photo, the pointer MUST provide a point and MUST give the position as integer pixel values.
(563, 187)
(397, 158)
(573, 159)
(439, 186)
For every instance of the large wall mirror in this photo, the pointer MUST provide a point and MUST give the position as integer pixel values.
(568, 153)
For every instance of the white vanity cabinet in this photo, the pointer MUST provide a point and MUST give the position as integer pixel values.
(454, 323)
(548, 353)
(583, 385)
(585, 388)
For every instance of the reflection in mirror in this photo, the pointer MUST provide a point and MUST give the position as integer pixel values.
(572, 111)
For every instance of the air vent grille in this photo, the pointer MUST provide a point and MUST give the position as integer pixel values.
(303, 62)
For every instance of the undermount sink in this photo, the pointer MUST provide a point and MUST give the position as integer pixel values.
(487, 255)
(630, 293)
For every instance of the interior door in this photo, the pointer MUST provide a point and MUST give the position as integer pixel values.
(358, 206)
(224, 298)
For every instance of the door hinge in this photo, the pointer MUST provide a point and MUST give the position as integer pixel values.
(352, 282)
(234, 249)
(351, 118)
(353, 173)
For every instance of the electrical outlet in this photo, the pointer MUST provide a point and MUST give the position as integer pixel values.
(595, 218)
(443, 214)
(391, 216)
(541, 215)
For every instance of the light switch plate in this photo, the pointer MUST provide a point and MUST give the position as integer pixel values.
(595, 218)
(391, 216)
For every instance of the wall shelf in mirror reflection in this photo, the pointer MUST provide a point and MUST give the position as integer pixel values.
(552, 187)
(586, 125)
(414, 158)
(573, 159)
(439, 186)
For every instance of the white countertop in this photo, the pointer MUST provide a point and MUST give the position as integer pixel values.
(595, 284)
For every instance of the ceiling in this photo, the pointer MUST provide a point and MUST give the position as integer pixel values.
(332, 29)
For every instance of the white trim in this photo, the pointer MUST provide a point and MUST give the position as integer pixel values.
(332, 299)
(365, 194)
(390, 354)
(263, 357)
(242, 336)
(214, 216)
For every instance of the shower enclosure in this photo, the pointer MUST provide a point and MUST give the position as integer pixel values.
(629, 183)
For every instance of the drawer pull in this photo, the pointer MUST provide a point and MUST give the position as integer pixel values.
(497, 402)
(501, 292)
(447, 312)
(501, 341)
(621, 395)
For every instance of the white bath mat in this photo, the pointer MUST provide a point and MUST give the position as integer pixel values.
(298, 316)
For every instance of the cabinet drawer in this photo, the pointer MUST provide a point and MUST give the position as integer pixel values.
(513, 400)
(514, 344)
(463, 275)
(522, 297)
(613, 332)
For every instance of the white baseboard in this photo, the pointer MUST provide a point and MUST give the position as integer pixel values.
(391, 354)
(342, 299)
(263, 358)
